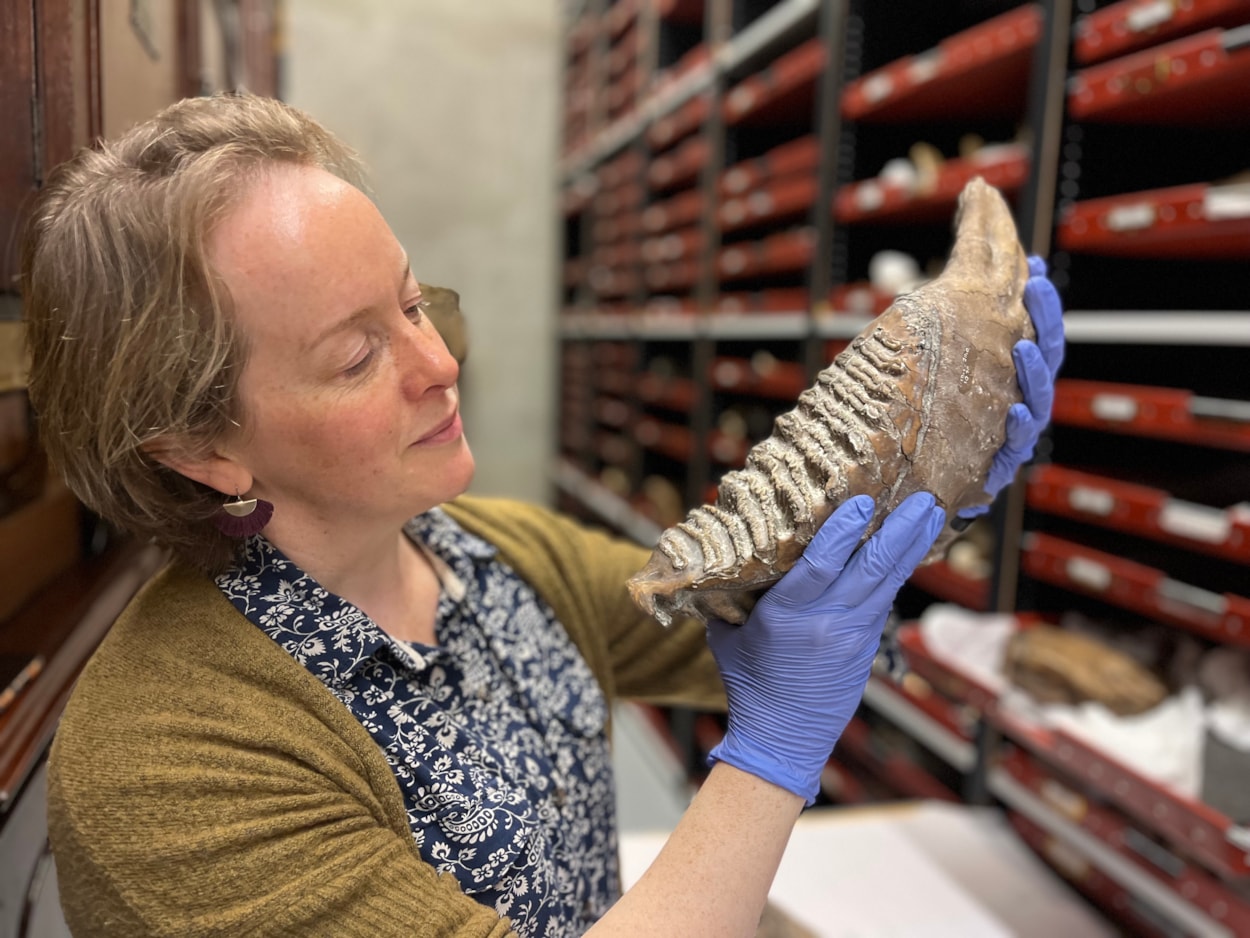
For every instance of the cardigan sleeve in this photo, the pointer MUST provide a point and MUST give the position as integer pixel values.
(581, 571)
(199, 787)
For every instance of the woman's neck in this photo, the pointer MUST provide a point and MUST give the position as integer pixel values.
(386, 576)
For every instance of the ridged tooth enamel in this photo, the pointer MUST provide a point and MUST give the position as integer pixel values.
(917, 402)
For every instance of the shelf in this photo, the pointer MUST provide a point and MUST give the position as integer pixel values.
(1099, 872)
(785, 252)
(611, 508)
(727, 450)
(783, 19)
(671, 393)
(785, 90)
(895, 769)
(786, 198)
(980, 72)
(1178, 327)
(1165, 413)
(1170, 872)
(666, 438)
(769, 303)
(779, 379)
(1131, 25)
(680, 166)
(679, 123)
(795, 157)
(1198, 222)
(777, 324)
(677, 211)
(930, 720)
(1220, 617)
(1005, 167)
(1199, 80)
(1140, 510)
(1193, 827)
(943, 581)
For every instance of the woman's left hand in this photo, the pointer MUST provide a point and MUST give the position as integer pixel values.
(1037, 364)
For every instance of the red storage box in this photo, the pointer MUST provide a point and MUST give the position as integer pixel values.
(1140, 510)
(1131, 25)
(980, 72)
(1198, 221)
(1202, 79)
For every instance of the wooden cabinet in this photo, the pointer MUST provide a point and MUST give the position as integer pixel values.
(71, 71)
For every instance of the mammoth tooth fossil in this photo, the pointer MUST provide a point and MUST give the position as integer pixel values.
(917, 402)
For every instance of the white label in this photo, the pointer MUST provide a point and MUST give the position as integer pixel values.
(1221, 202)
(740, 99)
(1178, 593)
(1130, 217)
(733, 262)
(925, 67)
(1113, 407)
(727, 374)
(1196, 522)
(868, 197)
(1091, 501)
(761, 203)
(1088, 573)
(737, 179)
(878, 88)
(1149, 15)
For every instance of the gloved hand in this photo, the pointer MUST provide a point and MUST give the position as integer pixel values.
(795, 670)
(1037, 364)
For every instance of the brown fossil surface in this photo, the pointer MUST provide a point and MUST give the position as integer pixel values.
(1059, 666)
(917, 402)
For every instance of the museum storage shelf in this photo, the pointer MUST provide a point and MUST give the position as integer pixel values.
(1213, 848)
(892, 77)
(1170, 871)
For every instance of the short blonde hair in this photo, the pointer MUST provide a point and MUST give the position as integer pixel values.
(129, 331)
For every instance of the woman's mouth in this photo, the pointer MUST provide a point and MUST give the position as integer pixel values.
(450, 429)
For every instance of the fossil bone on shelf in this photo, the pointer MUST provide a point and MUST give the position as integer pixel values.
(917, 402)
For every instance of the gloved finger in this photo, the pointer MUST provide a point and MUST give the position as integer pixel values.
(824, 559)
(1022, 433)
(973, 511)
(878, 558)
(1036, 383)
(1041, 299)
(926, 532)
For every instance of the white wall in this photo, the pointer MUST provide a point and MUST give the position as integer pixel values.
(453, 104)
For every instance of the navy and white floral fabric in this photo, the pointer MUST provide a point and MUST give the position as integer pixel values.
(496, 736)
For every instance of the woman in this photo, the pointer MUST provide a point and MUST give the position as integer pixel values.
(343, 709)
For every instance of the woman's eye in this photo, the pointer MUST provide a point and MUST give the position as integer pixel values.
(359, 367)
(417, 309)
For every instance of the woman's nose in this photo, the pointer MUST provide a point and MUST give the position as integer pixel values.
(424, 360)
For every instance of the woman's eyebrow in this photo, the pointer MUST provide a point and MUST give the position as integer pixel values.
(349, 321)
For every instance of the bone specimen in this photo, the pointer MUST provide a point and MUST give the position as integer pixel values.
(1059, 666)
(917, 402)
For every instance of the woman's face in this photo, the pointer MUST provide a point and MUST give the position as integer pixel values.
(350, 412)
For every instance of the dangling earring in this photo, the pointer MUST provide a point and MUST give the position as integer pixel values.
(243, 517)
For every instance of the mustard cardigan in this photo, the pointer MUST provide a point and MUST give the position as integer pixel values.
(203, 783)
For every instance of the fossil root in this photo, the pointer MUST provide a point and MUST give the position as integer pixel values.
(917, 402)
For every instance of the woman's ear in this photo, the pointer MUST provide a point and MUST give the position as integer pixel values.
(214, 470)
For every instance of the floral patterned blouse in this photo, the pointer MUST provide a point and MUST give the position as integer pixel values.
(496, 736)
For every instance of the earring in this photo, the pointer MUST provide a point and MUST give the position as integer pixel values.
(243, 517)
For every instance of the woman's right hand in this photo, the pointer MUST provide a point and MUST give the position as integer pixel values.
(796, 670)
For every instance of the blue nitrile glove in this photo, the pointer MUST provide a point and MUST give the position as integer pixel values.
(796, 670)
(1037, 364)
